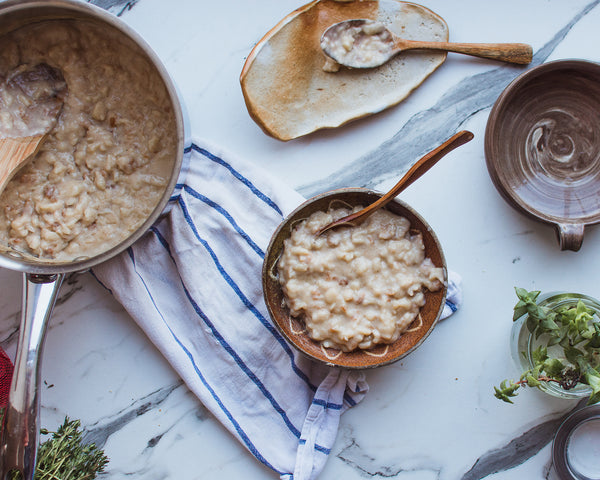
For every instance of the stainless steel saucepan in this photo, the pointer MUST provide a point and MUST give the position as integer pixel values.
(42, 280)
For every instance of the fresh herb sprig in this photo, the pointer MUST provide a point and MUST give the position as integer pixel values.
(64, 456)
(575, 331)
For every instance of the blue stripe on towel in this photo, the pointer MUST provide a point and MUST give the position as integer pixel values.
(240, 363)
(322, 403)
(327, 405)
(318, 448)
(214, 395)
(349, 400)
(216, 333)
(244, 235)
(202, 315)
(101, 284)
(239, 176)
(451, 306)
(243, 298)
(229, 218)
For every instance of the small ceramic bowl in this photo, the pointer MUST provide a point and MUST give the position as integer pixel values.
(293, 328)
(542, 146)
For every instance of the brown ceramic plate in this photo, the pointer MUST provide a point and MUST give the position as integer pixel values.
(288, 94)
(293, 328)
(542, 146)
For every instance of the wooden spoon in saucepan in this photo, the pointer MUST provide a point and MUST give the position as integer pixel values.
(415, 172)
(31, 99)
(362, 43)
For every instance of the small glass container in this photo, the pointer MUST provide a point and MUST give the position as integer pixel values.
(524, 343)
(576, 446)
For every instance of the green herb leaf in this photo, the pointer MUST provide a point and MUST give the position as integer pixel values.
(573, 329)
(533, 381)
(526, 301)
(595, 337)
(505, 392)
(592, 378)
(540, 354)
(553, 367)
(573, 354)
(65, 457)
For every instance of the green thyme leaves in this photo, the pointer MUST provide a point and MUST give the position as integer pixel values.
(64, 456)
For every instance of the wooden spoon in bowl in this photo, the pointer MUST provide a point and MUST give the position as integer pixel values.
(415, 172)
(363, 43)
(31, 99)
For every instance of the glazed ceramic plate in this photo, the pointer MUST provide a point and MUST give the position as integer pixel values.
(542, 146)
(293, 328)
(289, 95)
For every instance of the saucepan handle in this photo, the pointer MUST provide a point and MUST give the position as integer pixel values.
(20, 435)
(570, 236)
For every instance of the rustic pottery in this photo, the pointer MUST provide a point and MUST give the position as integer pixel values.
(542, 146)
(293, 328)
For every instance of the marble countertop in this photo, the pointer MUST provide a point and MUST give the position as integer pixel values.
(433, 414)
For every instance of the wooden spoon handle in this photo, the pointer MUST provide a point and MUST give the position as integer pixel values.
(420, 167)
(415, 172)
(520, 53)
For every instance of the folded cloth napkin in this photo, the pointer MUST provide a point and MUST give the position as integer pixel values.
(193, 284)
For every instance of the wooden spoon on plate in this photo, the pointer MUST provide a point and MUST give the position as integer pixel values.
(31, 100)
(362, 43)
(415, 172)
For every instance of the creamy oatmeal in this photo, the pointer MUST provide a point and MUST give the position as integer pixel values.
(364, 45)
(356, 287)
(103, 168)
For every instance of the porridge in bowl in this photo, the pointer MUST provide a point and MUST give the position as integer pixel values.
(356, 287)
(104, 166)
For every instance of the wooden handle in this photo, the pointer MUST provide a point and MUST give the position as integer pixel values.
(422, 166)
(520, 53)
(415, 172)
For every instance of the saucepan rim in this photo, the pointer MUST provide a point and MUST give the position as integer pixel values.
(58, 9)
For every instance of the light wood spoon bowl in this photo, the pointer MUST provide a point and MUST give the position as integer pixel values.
(14, 153)
(415, 172)
(363, 43)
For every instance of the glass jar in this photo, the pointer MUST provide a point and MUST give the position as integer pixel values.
(576, 446)
(524, 343)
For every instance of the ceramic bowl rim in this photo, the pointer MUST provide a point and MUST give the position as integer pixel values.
(271, 258)
(504, 99)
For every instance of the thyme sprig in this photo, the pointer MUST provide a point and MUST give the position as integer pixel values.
(574, 330)
(64, 456)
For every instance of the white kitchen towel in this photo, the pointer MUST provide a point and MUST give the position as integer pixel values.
(193, 284)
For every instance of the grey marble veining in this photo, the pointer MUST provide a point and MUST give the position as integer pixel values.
(118, 7)
(431, 127)
(519, 449)
(104, 428)
(368, 466)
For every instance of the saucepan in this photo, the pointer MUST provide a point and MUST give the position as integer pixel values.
(42, 279)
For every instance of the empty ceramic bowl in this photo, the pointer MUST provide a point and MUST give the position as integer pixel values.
(542, 146)
(293, 328)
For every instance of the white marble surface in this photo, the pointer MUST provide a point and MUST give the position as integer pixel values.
(430, 416)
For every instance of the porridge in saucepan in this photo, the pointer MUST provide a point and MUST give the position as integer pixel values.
(104, 167)
(356, 287)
